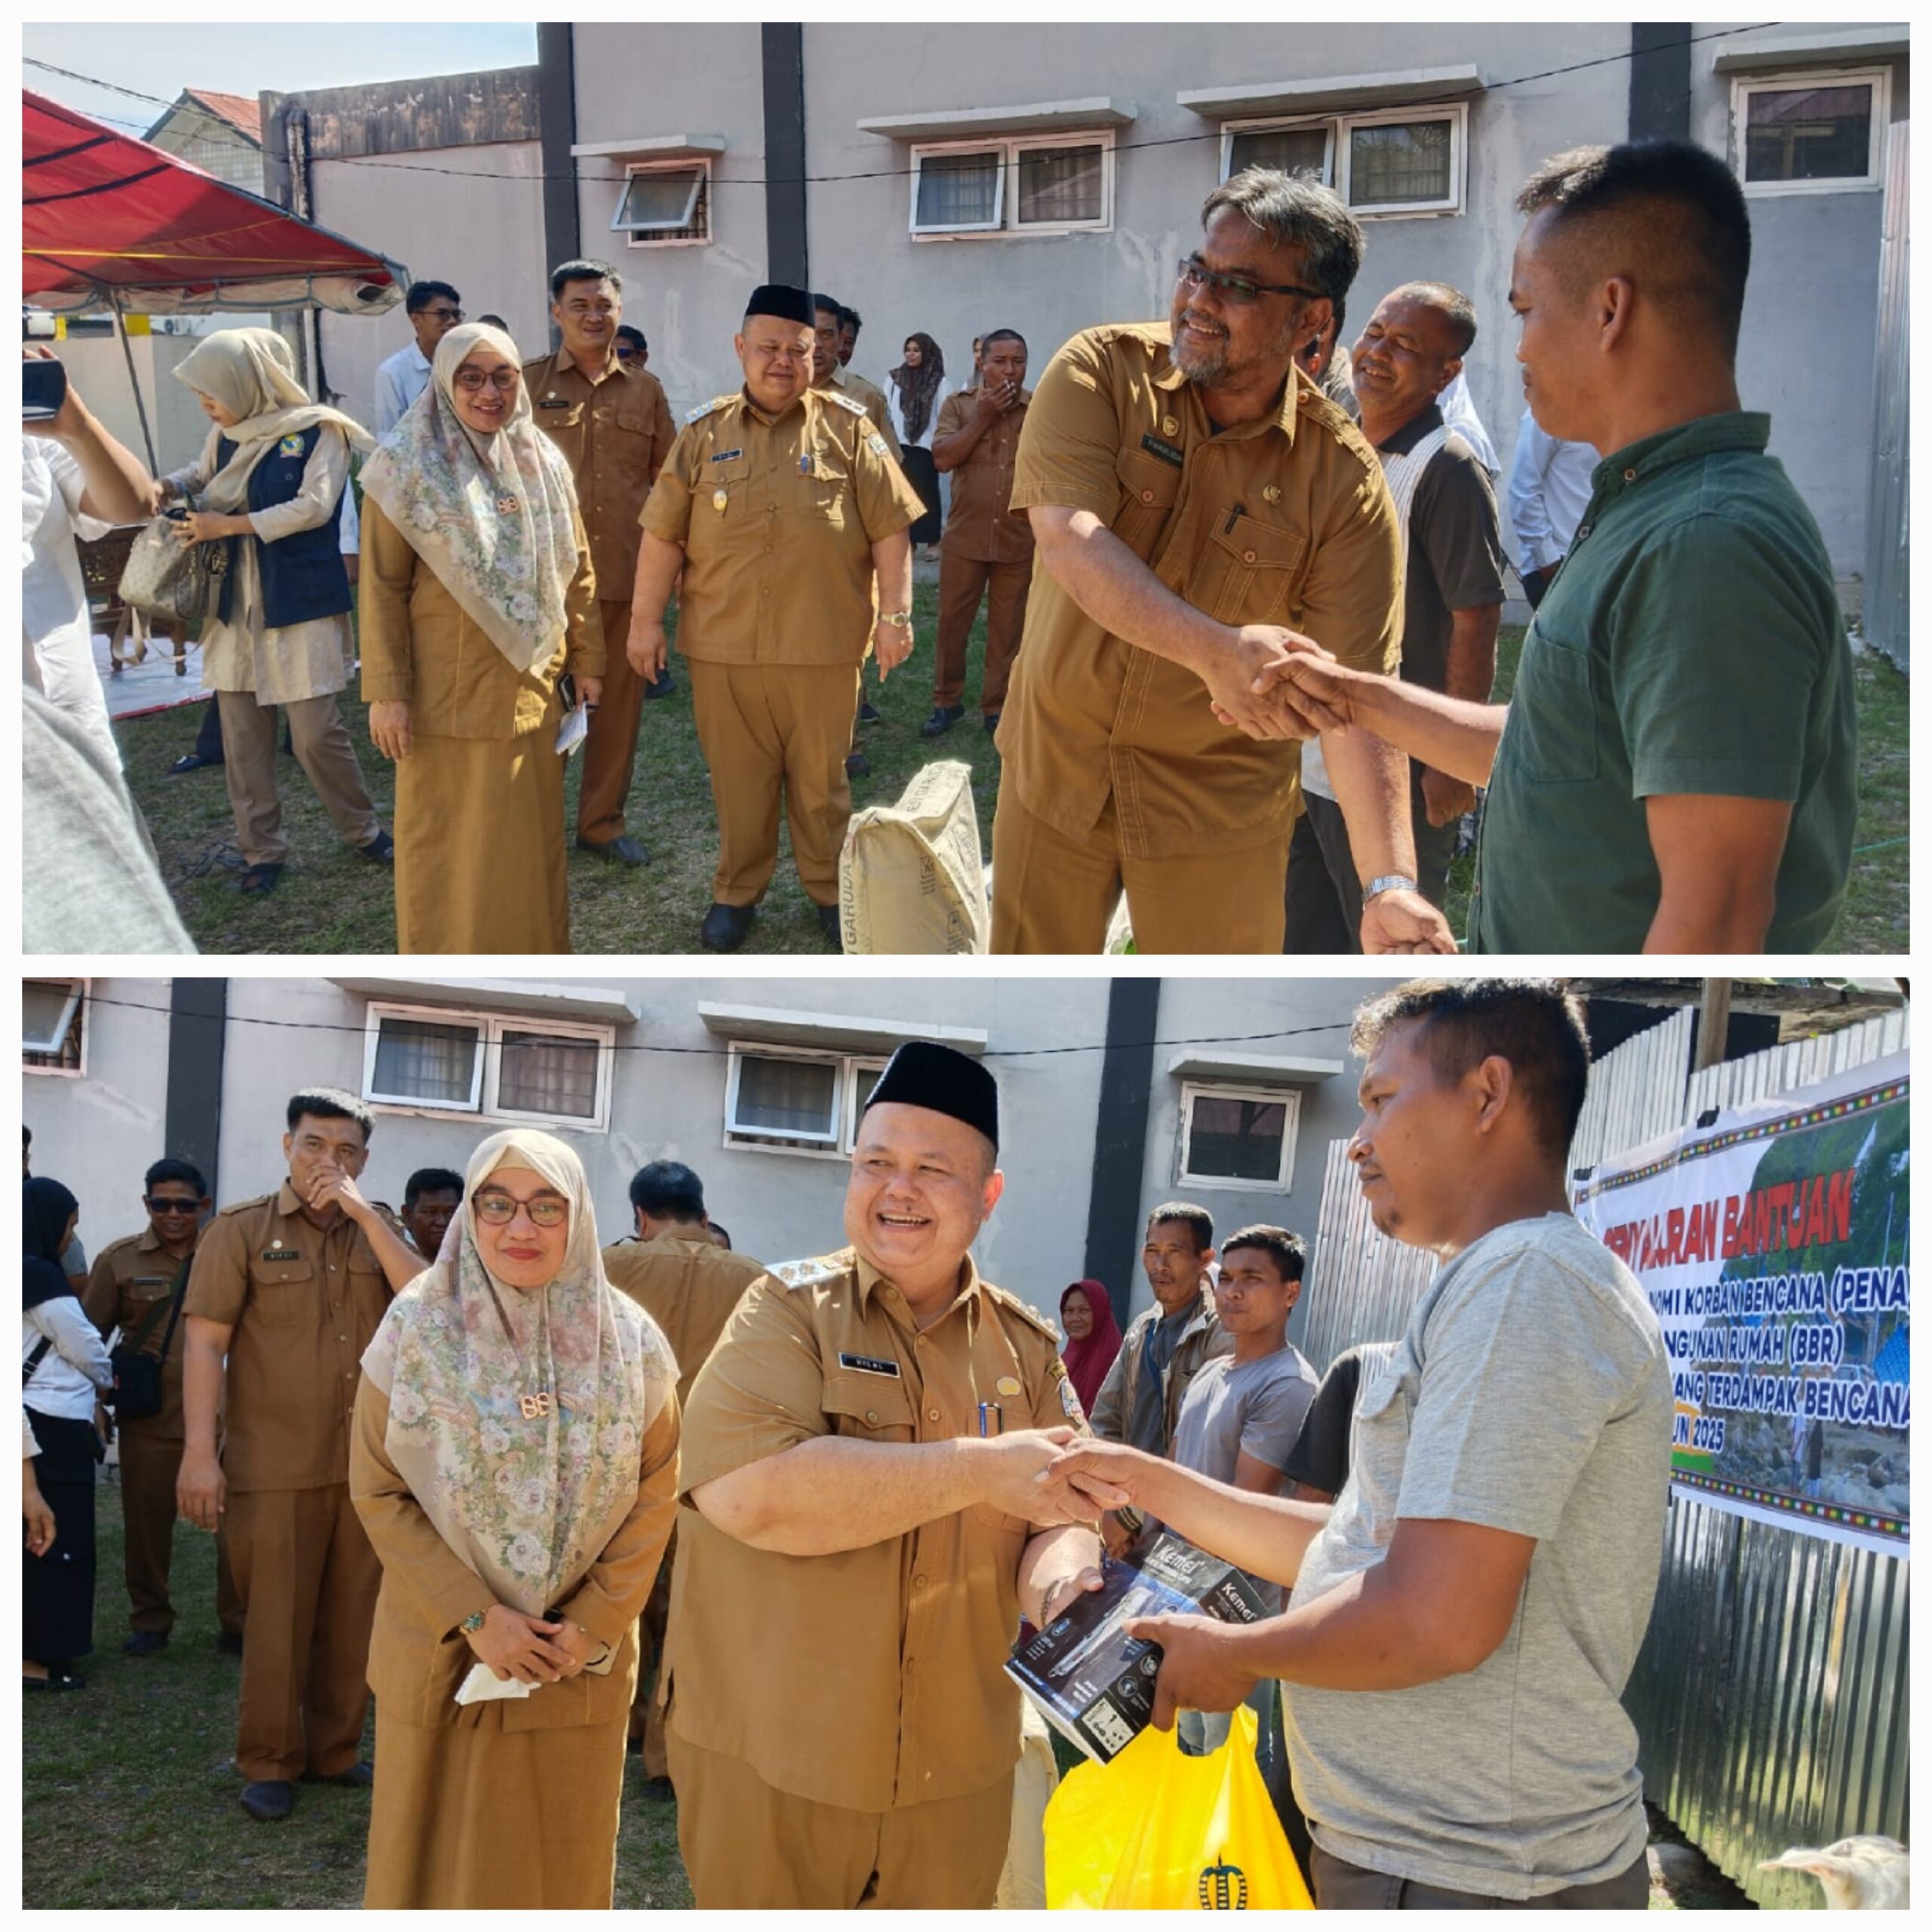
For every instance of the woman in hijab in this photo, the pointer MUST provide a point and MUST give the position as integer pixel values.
(477, 596)
(916, 389)
(268, 486)
(66, 1371)
(1093, 1339)
(514, 1460)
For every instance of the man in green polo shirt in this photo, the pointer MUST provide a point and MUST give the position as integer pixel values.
(1677, 769)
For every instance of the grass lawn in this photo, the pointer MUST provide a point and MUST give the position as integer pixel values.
(330, 901)
(129, 1796)
(1876, 916)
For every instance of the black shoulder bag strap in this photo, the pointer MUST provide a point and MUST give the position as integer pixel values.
(31, 1365)
(171, 1307)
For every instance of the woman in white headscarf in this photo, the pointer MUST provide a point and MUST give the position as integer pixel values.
(268, 486)
(477, 596)
(514, 1461)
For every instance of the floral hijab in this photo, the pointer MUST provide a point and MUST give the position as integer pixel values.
(529, 1502)
(250, 372)
(493, 518)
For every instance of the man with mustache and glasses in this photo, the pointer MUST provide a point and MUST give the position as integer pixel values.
(1203, 513)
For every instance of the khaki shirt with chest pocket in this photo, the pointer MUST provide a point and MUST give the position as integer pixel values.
(776, 517)
(869, 1678)
(1285, 520)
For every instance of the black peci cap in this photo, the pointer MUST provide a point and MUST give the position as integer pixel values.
(924, 1074)
(788, 305)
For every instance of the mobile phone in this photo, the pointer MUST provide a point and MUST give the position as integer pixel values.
(567, 691)
(43, 389)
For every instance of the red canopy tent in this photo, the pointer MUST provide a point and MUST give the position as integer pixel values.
(111, 223)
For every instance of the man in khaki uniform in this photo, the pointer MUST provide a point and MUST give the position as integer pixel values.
(289, 1289)
(1194, 497)
(829, 372)
(611, 421)
(688, 1286)
(987, 548)
(859, 1538)
(780, 504)
(137, 1286)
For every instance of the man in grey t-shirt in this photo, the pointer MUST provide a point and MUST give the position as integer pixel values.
(1488, 1568)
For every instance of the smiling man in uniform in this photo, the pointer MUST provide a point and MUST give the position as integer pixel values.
(781, 505)
(861, 1534)
(610, 419)
(1202, 512)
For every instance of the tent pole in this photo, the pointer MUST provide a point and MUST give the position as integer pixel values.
(134, 382)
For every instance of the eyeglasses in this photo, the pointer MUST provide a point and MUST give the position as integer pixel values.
(1237, 288)
(503, 381)
(156, 1205)
(500, 1210)
(444, 314)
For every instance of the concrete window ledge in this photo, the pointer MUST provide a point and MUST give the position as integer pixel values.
(1037, 117)
(782, 1026)
(652, 147)
(573, 999)
(1812, 49)
(1319, 94)
(1256, 1069)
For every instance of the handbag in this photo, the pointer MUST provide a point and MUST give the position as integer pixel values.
(137, 1379)
(165, 578)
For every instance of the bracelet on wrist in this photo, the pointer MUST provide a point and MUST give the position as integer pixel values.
(1387, 882)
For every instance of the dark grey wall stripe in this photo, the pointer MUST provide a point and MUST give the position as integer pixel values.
(787, 257)
(556, 114)
(197, 1038)
(1660, 81)
(1120, 1140)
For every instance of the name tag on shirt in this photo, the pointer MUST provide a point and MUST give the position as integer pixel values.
(282, 1254)
(1166, 452)
(867, 1365)
(726, 456)
(555, 402)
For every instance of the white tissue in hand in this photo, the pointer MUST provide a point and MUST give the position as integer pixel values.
(483, 1683)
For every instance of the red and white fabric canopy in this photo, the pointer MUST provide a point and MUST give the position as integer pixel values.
(109, 221)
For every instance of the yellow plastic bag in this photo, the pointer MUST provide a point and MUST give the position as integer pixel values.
(1158, 1830)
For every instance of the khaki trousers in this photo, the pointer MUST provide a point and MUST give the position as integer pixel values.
(309, 1578)
(1052, 893)
(647, 1721)
(148, 1465)
(748, 1846)
(609, 751)
(963, 581)
(323, 751)
(773, 732)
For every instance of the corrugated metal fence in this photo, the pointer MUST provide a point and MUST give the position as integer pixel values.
(1888, 533)
(1772, 1695)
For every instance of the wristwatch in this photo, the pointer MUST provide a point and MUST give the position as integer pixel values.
(900, 619)
(472, 1622)
(1388, 882)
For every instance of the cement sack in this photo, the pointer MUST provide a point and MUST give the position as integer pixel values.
(910, 877)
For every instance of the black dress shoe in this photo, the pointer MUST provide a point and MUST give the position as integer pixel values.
(258, 881)
(380, 850)
(944, 717)
(145, 1643)
(660, 686)
(357, 1777)
(827, 924)
(858, 766)
(991, 721)
(725, 926)
(622, 851)
(56, 1679)
(868, 715)
(192, 761)
(228, 1643)
(269, 1801)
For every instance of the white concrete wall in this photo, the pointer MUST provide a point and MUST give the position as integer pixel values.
(478, 226)
(98, 369)
(1810, 363)
(98, 1133)
(646, 82)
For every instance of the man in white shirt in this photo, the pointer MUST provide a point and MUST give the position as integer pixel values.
(1550, 490)
(433, 308)
(75, 480)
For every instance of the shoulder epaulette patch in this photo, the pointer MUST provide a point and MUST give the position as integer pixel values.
(1024, 1309)
(704, 409)
(807, 1274)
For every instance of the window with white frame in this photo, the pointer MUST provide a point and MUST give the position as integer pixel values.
(1395, 160)
(54, 1026)
(1237, 1136)
(1810, 133)
(664, 202)
(495, 1065)
(795, 1101)
(1027, 184)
